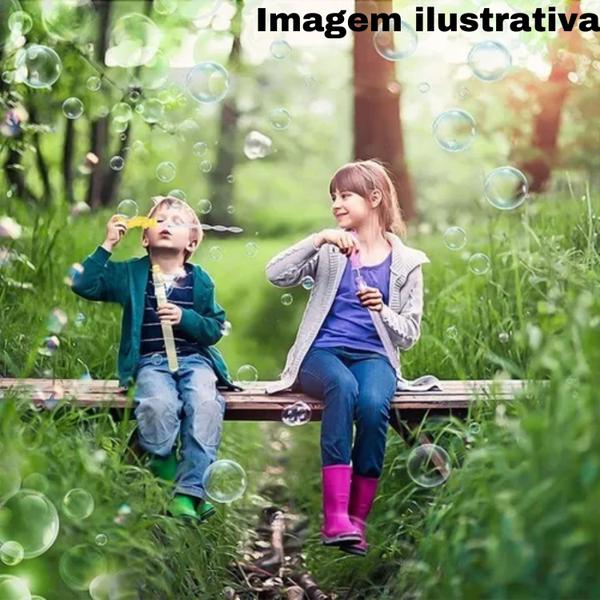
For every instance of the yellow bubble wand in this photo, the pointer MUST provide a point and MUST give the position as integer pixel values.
(167, 330)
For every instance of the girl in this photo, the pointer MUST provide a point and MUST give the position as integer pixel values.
(365, 305)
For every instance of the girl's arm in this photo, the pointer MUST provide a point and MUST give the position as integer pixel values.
(291, 266)
(405, 327)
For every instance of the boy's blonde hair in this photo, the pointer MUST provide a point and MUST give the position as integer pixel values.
(195, 225)
(365, 176)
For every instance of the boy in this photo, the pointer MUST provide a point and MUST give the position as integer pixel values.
(184, 403)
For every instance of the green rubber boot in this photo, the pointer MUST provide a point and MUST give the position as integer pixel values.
(182, 506)
(205, 510)
(164, 467)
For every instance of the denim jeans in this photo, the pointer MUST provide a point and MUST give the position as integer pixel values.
(186, 402)
(354, 385)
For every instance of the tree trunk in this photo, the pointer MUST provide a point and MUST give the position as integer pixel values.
(552, 95)
(67, 161)
(377, 127)
(221, 189)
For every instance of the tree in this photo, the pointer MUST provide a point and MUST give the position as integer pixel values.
(377, 125)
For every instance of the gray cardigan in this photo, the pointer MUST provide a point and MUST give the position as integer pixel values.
(398, 324)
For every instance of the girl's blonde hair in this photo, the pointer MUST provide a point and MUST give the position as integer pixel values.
(195, 225)
(365, 176)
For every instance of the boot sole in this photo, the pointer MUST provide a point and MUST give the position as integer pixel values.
(353, 550)
(340, 540)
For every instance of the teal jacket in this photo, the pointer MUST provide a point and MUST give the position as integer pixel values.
(125, 282)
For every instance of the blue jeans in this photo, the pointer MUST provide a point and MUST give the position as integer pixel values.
(354, 385)
(186, 402)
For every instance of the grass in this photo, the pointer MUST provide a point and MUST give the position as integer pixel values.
(515, 519)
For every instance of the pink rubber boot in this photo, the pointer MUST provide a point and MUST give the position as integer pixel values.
(337, 529)
(362, 495)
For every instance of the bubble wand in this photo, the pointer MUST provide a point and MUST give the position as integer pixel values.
(167, 330)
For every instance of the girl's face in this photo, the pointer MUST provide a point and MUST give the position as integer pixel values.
(350, 209)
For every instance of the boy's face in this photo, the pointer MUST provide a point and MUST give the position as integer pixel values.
(174, 230)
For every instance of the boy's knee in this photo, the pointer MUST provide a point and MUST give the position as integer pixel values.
(158, 424)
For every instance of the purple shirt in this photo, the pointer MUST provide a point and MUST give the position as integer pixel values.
(348, 322)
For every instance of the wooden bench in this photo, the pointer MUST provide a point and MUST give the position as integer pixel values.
(252, 404)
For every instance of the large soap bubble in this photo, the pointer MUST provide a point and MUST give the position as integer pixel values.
(68, 19)
(14, 588)
(489, 61)
(134, 41)
(454, 130)
(30, 519)
(428, 465)
(80, 565)
(395, 45)
(78, 504)
(10, 480)
(38, 66)
(114, 586)
(20, 22)
(208, 82)
(224, 481)
(506, 188)
(257, 145)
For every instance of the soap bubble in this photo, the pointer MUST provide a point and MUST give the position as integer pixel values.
(166, 172)
(251, 249)
(57, 319)
(308, 282)
(247, 374)
(11, 553)
(72, 108)
(296, 414)
(78, 504)
(506, 188)
(152, 111)
(79, 319)
(257, 145)
(134, 41)
(226, 328)
(114, 586)
(128, 208)
(224, 481)
(134, 96)
(230, 178)
(38, 66)
(208, 82)
(101, 539)
(424, 87)
(30, 519)
(80, 565)
(179, 194)
(489, 61)
(49, 346)
(206, 166)
(73, 274)
(474, 428)
(117, 163)
(20, 23)
(452, 332)
(280, 49)
(68, 19)
(503, 337)
(479, 263)
(428, 465)
(455, 238)
(37, 482)
(287, 299)
(121, 112)
(280, 118)
(395, 45)
(10, 480)
(200, 149)
(204, 206)
(14, 588)
(156, 359)
(215, 253)
(454, 130)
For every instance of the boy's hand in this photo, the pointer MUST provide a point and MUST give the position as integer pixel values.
(371, 298)
(169, 313)
(115, 230)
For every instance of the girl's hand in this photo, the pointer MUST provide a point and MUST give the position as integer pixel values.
(371, 298)
(170, 314)
(344, 240)
(115, 230)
